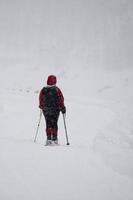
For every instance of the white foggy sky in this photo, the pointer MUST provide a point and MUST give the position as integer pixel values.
(81, 33)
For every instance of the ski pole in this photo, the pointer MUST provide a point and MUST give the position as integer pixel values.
(38, 125)
(65, 130)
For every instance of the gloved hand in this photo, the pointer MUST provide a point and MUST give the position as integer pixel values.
(63, 110)
(41, 107)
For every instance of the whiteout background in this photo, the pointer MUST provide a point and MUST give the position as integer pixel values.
(88, 45)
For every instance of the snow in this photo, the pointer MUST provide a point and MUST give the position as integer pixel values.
(93, 65)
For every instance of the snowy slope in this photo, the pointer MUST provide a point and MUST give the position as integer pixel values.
(97, 165)
(87, 45)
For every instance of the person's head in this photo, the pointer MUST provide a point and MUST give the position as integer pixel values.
(51, 80)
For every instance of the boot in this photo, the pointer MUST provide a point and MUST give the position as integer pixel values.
(55, 139)
(48, 141)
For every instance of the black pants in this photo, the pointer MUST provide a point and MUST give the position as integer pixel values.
(51, 117)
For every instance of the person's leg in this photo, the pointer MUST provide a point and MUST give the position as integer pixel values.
(55, 126)
(52, 125)
(48, 126)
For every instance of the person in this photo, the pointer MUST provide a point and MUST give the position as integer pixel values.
(51, 101)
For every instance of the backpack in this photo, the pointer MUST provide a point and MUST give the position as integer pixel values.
(51, 98)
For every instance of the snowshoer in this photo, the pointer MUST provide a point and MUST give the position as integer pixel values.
(51, 101)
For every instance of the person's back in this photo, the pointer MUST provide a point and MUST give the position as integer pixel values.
(51, 97)
(51, 101)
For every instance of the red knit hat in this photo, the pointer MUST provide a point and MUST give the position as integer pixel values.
(51, 80)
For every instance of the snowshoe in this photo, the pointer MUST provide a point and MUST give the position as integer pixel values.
(48, 142)
(55, 142)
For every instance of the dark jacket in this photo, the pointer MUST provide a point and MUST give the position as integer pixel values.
(42, 104)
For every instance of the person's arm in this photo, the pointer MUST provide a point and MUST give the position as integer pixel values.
(61, 98)
(41, 99)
